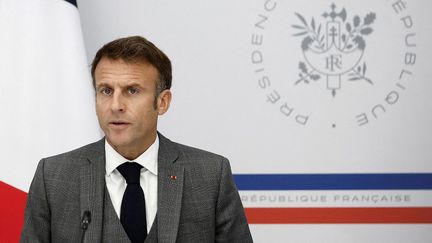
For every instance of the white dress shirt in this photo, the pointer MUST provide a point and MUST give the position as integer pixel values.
(116, 184)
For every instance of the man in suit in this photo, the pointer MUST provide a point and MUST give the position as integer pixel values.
(134, 185)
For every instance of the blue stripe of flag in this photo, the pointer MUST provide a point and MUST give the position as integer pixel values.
(73, 2)
(416, 181)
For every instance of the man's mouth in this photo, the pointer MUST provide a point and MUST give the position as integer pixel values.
(118, 124)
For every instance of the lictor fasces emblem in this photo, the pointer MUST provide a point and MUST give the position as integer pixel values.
(335, 52)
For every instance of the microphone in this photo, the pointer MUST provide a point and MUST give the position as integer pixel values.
(85, 221)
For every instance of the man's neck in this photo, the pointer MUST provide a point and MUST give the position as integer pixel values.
(132, 152)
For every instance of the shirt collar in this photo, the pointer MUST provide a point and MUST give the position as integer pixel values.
(148, 159)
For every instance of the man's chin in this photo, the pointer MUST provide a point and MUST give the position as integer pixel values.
(117, 142)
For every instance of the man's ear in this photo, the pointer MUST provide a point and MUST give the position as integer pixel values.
(164, 101)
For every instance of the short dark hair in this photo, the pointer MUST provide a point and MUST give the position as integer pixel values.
(135, 49)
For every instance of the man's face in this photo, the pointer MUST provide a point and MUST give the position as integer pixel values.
(125, 98)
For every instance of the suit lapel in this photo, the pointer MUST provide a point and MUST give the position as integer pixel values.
(170, 190)
(93, 189)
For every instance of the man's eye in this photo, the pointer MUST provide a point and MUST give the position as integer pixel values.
(105, 91)
(132, 90)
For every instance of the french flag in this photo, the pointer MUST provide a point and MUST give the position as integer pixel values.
(46, 97)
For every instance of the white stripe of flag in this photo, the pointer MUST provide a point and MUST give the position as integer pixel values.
(46, 98)
(336, 198)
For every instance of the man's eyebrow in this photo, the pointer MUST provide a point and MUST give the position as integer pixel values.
(128, 84)
(132, 83)
(102, 83)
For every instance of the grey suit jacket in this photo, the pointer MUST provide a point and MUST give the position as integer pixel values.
(197, 198)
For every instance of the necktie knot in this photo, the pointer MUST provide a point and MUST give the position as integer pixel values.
(131, 172)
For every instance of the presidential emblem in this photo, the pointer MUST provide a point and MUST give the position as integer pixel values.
(333, 50)
(350, 73)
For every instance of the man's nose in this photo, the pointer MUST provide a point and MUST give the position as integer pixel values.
(118, 102)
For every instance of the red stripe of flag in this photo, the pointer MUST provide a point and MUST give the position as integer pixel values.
(12, 204)
(413, 215)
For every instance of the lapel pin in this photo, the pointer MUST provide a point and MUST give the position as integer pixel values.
(173, 177)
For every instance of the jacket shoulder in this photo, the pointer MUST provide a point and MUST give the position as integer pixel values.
(78, 152)
(69, 163)
(198, 154)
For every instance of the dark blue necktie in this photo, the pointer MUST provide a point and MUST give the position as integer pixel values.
(132, 212)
